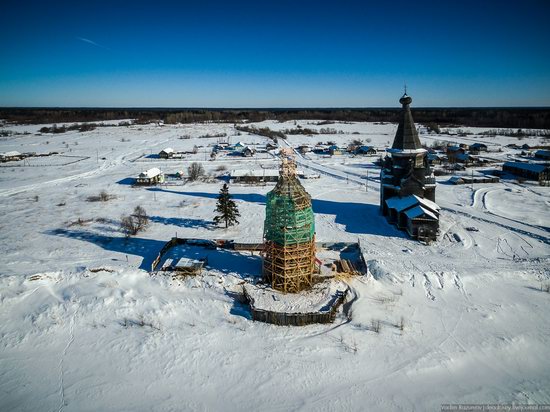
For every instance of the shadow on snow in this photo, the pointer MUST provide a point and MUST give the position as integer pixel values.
(359, 218)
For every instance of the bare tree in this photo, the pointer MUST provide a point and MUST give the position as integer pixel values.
(195, 171)
(141, 218)
(133, 224)
(128, 226)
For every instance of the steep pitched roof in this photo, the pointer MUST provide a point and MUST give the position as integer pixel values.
(406, 137)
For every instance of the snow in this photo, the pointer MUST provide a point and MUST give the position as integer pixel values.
(155, 171)
(420, 211)
(255, 173)
(402, 203)
(318, 299)
(84, 326)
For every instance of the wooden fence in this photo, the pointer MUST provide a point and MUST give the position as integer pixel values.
(296, 319)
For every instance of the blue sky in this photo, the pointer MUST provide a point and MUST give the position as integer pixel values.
(274, 53)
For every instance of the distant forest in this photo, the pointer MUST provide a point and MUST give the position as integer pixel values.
(529, 118)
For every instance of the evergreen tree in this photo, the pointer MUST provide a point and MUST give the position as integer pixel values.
(227, 208)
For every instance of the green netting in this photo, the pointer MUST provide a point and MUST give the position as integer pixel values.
(284, 224)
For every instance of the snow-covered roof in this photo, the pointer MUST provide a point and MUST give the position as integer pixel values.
(365, 148)
(533, 167)
(403, 203)
(405, 151)
(155, 171)
(13, 153)
(168, 150)
(188, 263)
(463, 156)
(255, 173)
(420, 211)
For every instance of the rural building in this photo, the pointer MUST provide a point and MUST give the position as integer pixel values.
(478, 147)
(365, 150)
(254, 176)
(304, 149)
(406, 174)
(435, 158)
(185, 266)
(529, 171)
(453, 152)
(238, 146)
(248, 151)
(542, 154)
(150, 177)
(11, 156)
(466, 180)
(463, 158)
(166, 153)
(335, 150)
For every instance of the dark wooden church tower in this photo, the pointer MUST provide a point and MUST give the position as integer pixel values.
(405, 171)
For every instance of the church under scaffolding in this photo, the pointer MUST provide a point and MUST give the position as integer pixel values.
(289, 233)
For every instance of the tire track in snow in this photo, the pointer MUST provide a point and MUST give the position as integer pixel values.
(62, 402)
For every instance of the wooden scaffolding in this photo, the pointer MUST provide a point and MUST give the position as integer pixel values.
(289, 233)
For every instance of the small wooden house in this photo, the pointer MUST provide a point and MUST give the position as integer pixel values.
(239, 146)
(478, 147)
(365, 150)
(150, 177)
(248, 151)
(335, 150)
(11, 156)
(166, 153)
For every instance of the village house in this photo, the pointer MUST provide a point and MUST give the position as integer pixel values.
(478, 147)
(365, 150)
(542, 154)
(150, 177)
(453, 152)
(304, 149)
(239, 146)
(11, 156)
(335, 150)
(530, 171)
(166, 153)
(259, 175)
(466, 180)
(248, 151)
(436, 158)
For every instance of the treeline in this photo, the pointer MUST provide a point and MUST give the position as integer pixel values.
(83, 127)
(262, 131)
(530, 118)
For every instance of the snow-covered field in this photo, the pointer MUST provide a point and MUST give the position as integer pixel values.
(84, 326)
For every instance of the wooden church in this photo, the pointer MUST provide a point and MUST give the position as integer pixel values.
(407, 184)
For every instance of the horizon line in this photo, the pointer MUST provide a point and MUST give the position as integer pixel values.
(275, 108)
